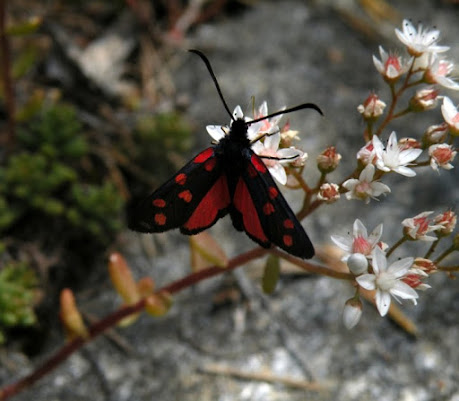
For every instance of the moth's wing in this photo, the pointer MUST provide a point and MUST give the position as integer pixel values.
(263, 213)
(192, 200)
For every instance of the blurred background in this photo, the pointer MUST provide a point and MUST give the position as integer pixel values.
(100, 102)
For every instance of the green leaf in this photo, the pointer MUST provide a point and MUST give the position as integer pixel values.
(271, 274)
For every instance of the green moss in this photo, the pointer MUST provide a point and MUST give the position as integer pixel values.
(158, 138)
(17, 296)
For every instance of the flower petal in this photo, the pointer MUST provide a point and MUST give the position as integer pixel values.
(400, 267)
(376, 234)
(406, 171)
(215, 131)
(379, 188)
(367, 173)
(379, 260)
(344, 243)
(382, 302)
(404, 291)
(367, 281)
(407, 156)
(359, 230)
(278, 172)
(237, 113)
(272, 141)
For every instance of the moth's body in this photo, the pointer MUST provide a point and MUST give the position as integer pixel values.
(234, 150)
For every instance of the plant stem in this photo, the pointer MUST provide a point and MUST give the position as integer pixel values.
(312, 268)
(444, 254)
(109, 321)
(396, 245)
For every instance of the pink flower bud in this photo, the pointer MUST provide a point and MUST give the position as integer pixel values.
(447, 220)
(372, 107)
(441, 155)
(435, 134)
(409, 143)
(328, 160)
(424, 99)
(425, 265)
(328, 193)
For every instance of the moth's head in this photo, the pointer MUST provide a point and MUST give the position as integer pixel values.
(239, 125)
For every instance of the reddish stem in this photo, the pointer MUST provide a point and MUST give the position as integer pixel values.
(98, 328)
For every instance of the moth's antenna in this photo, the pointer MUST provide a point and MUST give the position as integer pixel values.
(285, 111)
(211, 72)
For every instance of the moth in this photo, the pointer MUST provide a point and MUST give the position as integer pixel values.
(226, 178)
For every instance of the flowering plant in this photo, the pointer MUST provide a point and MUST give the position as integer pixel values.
(422, 75)
(366, 257)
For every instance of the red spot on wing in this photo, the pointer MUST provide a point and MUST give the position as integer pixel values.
(288, 223)
(243, 202)
(273, 192)
(216, 199)
(159, 202)
(258, 163)
(252, 172)
(204, 155)
(268, 208)
(288, 240)
(160, 219)
(186, 196)
(210, 164)
(180, 179)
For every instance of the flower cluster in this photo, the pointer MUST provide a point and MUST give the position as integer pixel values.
(266, 137)
(367, 259)
(425, 72)
(425, 64)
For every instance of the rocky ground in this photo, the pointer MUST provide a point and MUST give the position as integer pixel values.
(287, 53)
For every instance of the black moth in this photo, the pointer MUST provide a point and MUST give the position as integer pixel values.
(227, 177)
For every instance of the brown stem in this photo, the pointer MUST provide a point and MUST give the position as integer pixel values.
(312, 268)
(6, 77)
(449, 268)
(68, 349)
(444, 254)
(98, 328)
(396, 245)
(201, 275)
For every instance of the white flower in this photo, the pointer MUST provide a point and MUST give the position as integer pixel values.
(391, 67)
(367, 154)
(424, 99)
(393, 158)
(451, 115)
(386, 280)
(441, 155)
(269, 148)
(372, 107)
(359, 242)
(437, 72)
(421, 40)
(269, 126)
(418, 226)
(365, 188)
